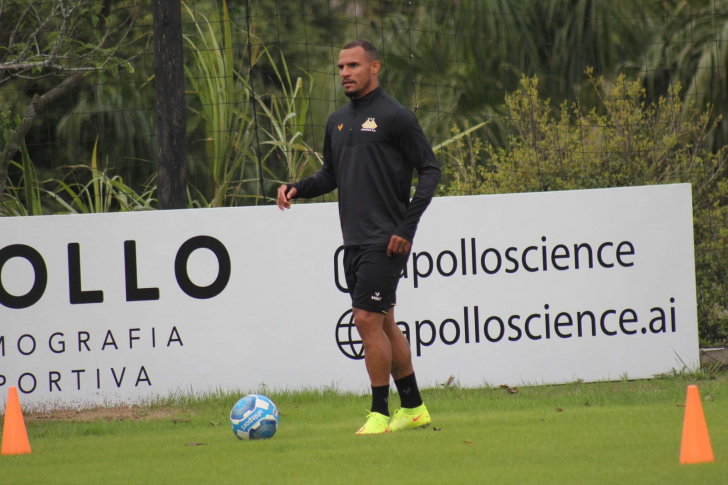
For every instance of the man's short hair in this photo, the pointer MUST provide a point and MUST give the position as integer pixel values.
(368, 47)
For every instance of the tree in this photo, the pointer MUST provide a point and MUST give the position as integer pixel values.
(171, 105)
(690, 48)
(50, 47)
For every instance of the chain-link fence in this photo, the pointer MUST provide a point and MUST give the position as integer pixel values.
(514, 95)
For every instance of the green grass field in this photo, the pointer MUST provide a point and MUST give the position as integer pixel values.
(616, 432)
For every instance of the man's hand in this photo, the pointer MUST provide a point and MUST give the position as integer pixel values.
(285, 195)
(398, 245)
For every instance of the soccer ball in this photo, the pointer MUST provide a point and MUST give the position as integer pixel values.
(254, 417)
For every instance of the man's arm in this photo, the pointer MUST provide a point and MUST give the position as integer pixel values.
(320, 183)
(418, 151)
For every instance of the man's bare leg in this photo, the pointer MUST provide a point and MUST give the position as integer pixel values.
(378, 360)
(413, 414)
(401, 354)
(377, 347)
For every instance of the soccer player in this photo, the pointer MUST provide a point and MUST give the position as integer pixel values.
(371, 147)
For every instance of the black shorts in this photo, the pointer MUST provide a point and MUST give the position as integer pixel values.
(372, 277)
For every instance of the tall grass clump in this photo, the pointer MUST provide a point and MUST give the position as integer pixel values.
(23, 198)
(224, 117)
(85, 190)
(254, 139)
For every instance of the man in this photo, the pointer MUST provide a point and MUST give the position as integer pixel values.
(371, 147)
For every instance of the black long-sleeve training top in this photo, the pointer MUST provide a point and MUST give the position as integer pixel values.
(370, 149)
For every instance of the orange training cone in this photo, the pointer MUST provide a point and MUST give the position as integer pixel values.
(695, 446)
(15, 437)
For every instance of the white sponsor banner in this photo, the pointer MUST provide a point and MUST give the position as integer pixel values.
(518, 289)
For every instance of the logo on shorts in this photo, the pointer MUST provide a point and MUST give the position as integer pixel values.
(369, 125)
(376, 297)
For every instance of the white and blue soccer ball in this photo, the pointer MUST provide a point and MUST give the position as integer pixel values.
(254, 417)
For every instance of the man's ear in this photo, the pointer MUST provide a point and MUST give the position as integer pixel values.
(376, 66)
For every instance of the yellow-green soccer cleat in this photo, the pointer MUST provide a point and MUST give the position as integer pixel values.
(410, 418)
(377, 423)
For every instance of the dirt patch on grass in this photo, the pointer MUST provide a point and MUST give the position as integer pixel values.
(121, 413)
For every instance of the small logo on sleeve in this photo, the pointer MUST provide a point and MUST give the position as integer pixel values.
(369, 125)
(341, 126)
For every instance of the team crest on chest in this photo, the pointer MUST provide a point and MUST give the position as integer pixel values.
(341, 126)
(369, 125)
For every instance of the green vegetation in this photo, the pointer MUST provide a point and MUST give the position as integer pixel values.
(626, 140)
(618, 432)
(517, 96)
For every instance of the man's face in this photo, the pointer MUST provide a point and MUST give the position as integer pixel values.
(358, 72)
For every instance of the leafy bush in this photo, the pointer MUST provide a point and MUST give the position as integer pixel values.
(626, 140)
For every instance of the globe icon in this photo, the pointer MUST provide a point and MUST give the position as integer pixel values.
(347, 337)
